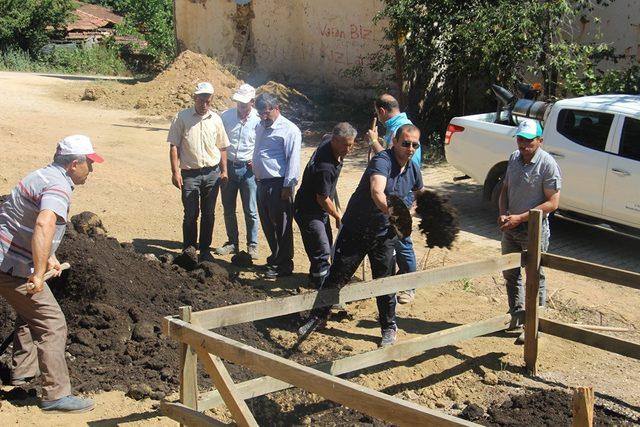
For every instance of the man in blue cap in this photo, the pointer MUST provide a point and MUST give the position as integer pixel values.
(532, 181)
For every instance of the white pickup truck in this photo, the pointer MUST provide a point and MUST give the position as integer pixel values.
(595, 140)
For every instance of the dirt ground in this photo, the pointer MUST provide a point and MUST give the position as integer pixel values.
(133, 195)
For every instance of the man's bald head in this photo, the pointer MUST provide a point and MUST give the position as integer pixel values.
(386, 107)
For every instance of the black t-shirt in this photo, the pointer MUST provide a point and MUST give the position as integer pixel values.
(362, 214)
(320, 177)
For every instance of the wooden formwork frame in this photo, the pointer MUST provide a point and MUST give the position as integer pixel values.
(198, 342)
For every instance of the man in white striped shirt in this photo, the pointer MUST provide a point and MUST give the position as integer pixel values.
(32, 224)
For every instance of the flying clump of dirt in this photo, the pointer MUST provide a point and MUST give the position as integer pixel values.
(439, 222)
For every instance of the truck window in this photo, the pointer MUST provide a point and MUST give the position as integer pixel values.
(630, 139)
(587, 128)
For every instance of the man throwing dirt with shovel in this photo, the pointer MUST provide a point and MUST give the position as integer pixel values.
(366, 230)
(32, 224)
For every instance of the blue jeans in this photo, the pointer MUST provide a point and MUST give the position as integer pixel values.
(199, 194)
(241, 179)
(405, 256)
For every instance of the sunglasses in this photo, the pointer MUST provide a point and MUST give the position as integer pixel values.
(407, 144)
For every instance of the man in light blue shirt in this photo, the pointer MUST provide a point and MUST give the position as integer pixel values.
(276, 165)
(388, 112)
(240, 124)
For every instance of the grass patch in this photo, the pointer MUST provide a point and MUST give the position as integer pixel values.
(98, 59)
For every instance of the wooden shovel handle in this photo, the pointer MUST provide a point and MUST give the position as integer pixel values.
(49, 274)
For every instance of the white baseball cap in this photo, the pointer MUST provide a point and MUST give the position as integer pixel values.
(204, 87)
(78, 145)
(244, 94)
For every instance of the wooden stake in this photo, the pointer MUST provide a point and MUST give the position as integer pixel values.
(532, 269)
(583, 398)
(221, 378)
(188, 368)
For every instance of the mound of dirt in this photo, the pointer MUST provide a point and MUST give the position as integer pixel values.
(114, 300)
(541, 408)
(294, 105)
(171, 90)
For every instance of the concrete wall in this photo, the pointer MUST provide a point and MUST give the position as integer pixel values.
(314, 41)
(619, 25)
(311, 39)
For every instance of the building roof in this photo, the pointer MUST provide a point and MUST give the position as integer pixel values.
(92, 17)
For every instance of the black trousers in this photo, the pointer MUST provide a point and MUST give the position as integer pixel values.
(350, 249)
(317, 239)
(276, 216)
(199, 194)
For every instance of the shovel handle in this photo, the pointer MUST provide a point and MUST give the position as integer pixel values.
(49, 274)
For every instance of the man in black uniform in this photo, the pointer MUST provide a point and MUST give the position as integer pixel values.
(366, 230)
(315, 200)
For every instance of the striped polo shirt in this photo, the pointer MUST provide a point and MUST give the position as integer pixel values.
(46, 188)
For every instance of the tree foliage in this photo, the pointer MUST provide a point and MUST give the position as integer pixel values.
(149, 20)
(446, 53)
(28, 24)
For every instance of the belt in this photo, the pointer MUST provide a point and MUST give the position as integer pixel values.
(206, 168)
(238, 162)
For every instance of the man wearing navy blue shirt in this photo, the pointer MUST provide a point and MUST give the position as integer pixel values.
(388, 113)
(366, 230)
(315, 199)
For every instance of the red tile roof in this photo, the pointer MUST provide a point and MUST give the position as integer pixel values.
(92, 17)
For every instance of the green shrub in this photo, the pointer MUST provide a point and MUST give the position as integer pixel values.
(100, 59)
(15, 59)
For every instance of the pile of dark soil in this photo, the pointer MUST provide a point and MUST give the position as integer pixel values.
(541, 408)
(114, 300)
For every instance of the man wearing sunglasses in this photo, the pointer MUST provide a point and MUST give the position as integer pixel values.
(387, 110)
(532, 181)
(366, 230)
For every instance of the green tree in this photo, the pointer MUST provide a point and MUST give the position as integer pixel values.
(443, 53)
(149, 20)
(29, 24)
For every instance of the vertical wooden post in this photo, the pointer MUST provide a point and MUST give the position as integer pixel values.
(532, 270)
(583, 398)
(188, 368)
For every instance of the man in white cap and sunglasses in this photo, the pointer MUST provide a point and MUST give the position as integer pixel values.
(198, 156)
(32, 224)
(240, 124)
(532, 181)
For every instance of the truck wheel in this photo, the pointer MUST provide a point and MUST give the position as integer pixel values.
(495, 193)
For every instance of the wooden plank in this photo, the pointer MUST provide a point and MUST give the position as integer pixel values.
(187, 416)
(589, 269)
(188, 368)
(532, 291)
(582, 405)
(601, 327)
(355, 396)
(399, 351)
(223, 382)
(590, 338)
(248, 312)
